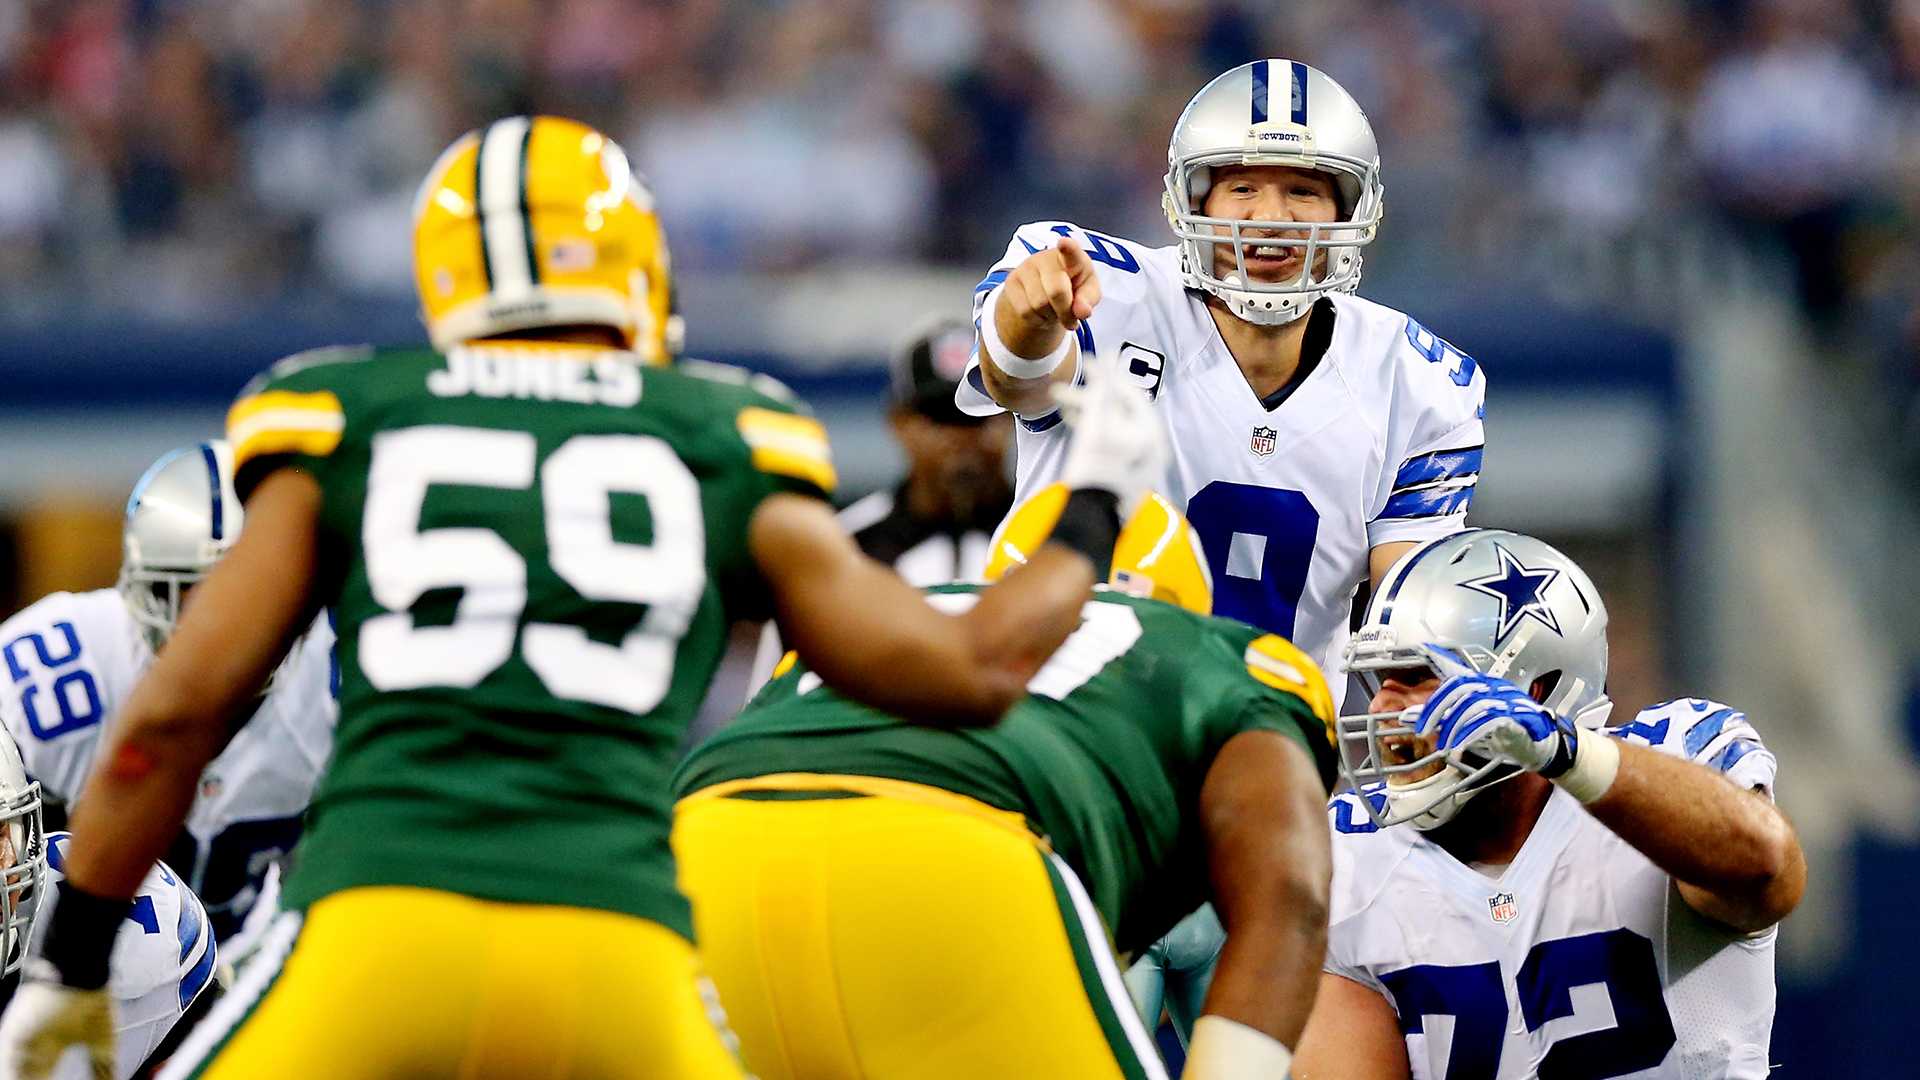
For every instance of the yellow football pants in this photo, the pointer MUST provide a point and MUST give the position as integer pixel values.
(872, 929)
(411, 983)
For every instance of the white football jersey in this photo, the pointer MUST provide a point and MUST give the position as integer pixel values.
(69, 663)
(1581, 959)
(1380, 442)
(163, 959)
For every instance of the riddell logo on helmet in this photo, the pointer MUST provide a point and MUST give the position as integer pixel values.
(515, 308)
(1374, 635)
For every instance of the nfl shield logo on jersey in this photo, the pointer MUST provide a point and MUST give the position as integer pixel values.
(1502, 907)
(1263, 440)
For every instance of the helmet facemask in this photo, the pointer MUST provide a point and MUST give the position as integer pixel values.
(154, 597)
(1379, 753)
(1330, 250)
(23, 865)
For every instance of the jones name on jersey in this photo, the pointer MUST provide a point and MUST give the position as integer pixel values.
(1380, 442)
(163, 957)
(1581, 949)
(71, 660)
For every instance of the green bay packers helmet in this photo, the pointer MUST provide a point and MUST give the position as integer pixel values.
(1157, 554)
(535, 222)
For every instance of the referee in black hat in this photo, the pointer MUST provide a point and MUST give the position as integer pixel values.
(936, 524)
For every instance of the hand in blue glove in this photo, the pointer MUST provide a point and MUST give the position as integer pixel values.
(1481, 714)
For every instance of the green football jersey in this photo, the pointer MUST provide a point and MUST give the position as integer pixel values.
(1105, 756)
(532, 554)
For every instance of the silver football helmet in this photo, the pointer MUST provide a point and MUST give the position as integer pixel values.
(1507, 605)
(182, 516)
(23, 856)
(1273, 112)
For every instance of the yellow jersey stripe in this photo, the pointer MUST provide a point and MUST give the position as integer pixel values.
(281, 421)
(1273, 660)
(788, 445)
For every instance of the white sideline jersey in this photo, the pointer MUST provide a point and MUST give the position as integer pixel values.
(1381, 442)
(1582, 956)
(163, 959)
(69, 662)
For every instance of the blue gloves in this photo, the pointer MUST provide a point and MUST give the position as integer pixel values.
(1492, 717)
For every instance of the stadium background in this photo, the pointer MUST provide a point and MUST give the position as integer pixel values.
(1678, 236)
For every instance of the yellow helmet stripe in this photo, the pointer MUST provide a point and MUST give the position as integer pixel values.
(500, 186)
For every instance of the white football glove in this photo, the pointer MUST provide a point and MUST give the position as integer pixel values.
(1118, 443)
(45, 1018)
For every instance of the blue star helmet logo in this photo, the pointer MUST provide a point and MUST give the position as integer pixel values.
(1518, 588)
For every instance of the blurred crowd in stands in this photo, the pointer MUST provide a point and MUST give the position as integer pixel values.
(186, 156)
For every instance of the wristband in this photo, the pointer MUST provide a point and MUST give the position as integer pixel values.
(1090, 525)
(1223, 1049)
(1595, 765)
(1017, 367)
(80, 936)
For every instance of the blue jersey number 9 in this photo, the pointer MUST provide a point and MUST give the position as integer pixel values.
(1259, 544)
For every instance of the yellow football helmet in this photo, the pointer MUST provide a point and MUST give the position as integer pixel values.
(1158, 554)
(538, 222)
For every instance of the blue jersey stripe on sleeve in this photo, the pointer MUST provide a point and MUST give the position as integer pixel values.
(1428, 502)
(1439, 465)
(1735, 750)
(190, 925)
(196, 980)
(1704, 732)
(988, 283)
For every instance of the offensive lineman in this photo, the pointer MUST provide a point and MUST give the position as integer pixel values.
(1317, 436)
(1570, 900)
(533, 546)
(72, 658)
(876, 899)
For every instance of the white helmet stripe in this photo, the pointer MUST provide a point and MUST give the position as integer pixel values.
(501, 194)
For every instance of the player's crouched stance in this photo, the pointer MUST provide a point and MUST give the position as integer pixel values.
(878, 899)
(158, 970)
(1572, 900)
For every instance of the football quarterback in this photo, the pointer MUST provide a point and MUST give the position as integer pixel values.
(1316, 435)
(534, 537)
(1520, 890)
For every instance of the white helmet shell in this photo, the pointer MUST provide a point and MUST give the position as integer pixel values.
(1508, 605)
(1273, 112)
(182, 516)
